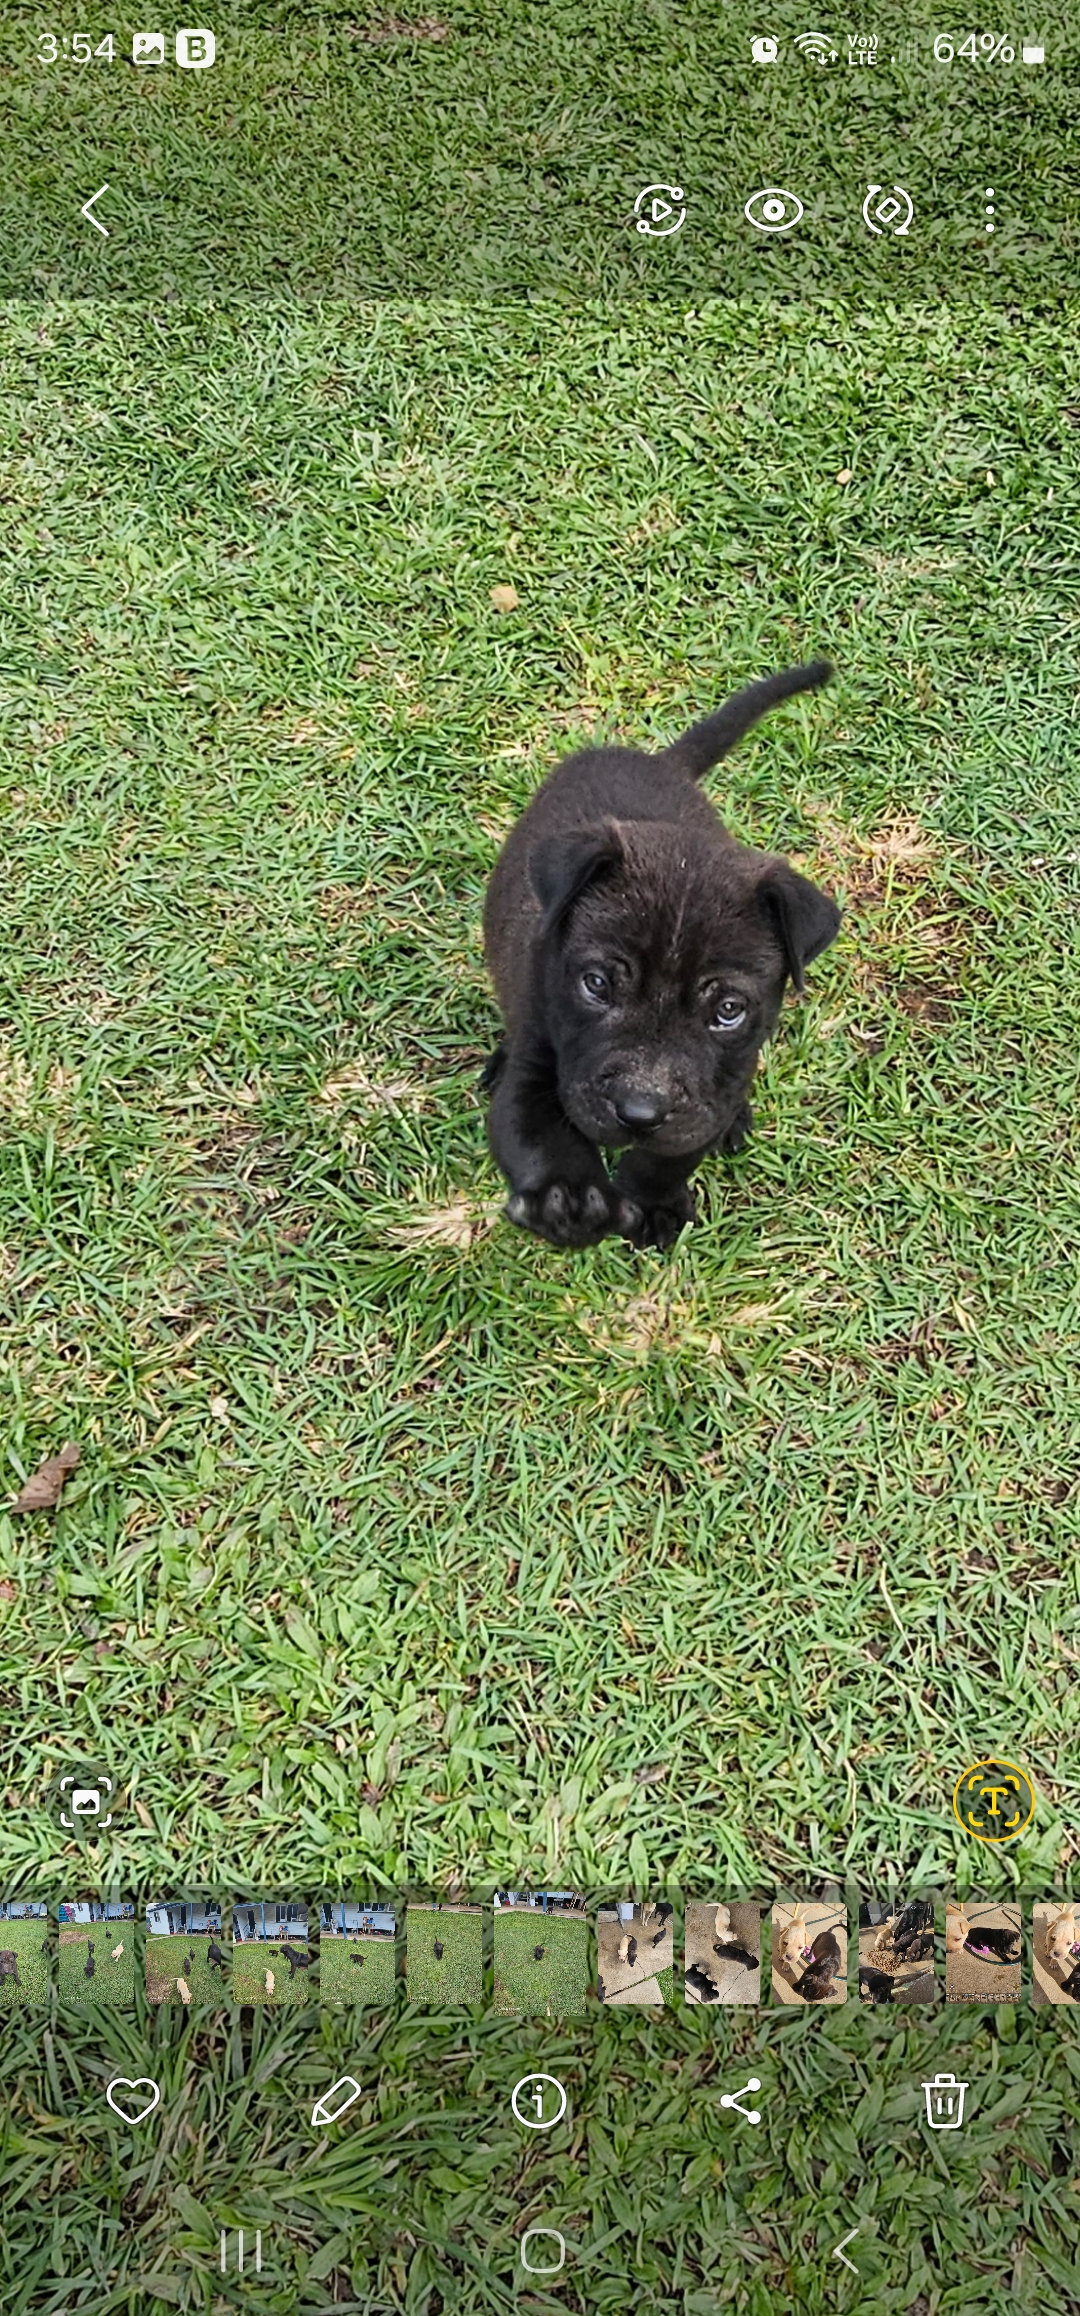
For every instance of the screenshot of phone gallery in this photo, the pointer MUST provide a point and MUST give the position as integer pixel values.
(539, 1614)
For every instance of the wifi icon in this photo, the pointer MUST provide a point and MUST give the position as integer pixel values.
(817, 46)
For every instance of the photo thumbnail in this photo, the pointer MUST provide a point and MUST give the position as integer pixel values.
(541, 1953)
(809, 1951)
(896, 1950)
(1055, 1959)
(184, 1960)
(982, 1952)
(444, 1954)
(635, 1952)
(357, 1952)
(723, 1951)
(97, 1951)
(24, 1954)
(271, 1959)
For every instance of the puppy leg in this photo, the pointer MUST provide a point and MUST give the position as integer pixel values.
(559, 1187)
(656, 1196)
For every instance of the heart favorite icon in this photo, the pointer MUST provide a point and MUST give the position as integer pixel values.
(128, 2111)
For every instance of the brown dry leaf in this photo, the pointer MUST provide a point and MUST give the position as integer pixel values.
(387, 1094)
(144, 1817)
(458, 1224)
(8, 1591)
(505, 598)
(42, 1490)
(651, 1773)
(401, 28)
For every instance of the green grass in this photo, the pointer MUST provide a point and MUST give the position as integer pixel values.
(164, 1962)
(459, 1978)
(112, 1982)
(377, 1494)
(25, 1938)
(370, 1981)
(400, 1544)
(557, 1986)
(250, 1964)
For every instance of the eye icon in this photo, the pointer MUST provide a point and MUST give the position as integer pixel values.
(772, 210)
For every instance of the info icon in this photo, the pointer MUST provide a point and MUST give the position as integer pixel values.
(195, 50)
(994, 1801)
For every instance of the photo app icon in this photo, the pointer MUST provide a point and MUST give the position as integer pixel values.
(195, 50)
(148, 48)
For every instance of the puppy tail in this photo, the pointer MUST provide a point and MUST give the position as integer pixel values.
(704, 744)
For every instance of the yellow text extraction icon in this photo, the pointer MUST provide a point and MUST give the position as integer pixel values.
(994, 1801)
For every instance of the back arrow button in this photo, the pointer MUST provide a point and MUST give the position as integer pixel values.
(88, 206)
(839, 2253)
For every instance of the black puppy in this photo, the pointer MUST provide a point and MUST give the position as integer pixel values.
(913, 1930)
(728, 1951)
(815, 1985)
(704, 1986)
(640, 956)
(874, 1985)
(993, 1945)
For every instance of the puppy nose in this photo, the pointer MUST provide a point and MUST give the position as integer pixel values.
(648, 1108)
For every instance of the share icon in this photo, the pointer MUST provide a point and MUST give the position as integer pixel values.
(731, 2099)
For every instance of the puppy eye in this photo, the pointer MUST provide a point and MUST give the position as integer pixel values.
(729, 1014)
(596, 985)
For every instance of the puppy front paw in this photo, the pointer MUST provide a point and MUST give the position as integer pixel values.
(563, 1212)
(742, 1124)
(656, 1222)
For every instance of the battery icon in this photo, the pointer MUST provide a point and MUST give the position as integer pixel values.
(1033, 55)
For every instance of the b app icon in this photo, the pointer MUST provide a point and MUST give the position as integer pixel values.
(195, 50)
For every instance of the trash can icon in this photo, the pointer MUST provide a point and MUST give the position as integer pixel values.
(945, 2103)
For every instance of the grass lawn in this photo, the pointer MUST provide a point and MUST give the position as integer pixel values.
(26, 1939)
(113, 1981)
(398, 1539)
(166, 1960)
(619, 1563)
(370, 1980)
(556, 1986)
(456, 1980)
(250, 1964)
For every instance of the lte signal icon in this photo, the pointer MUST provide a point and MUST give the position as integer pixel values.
(148, 48)
(195, 50)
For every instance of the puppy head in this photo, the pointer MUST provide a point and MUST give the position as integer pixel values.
(793, 1942)
(957, 1929)
(1063, 1937)
(664, 963)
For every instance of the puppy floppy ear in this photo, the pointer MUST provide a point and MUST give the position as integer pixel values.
(805, 917)
(561, 867)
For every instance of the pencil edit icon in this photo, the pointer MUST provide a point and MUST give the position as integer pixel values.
(334, 2102)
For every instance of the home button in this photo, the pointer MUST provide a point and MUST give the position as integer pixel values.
(536, 2255)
